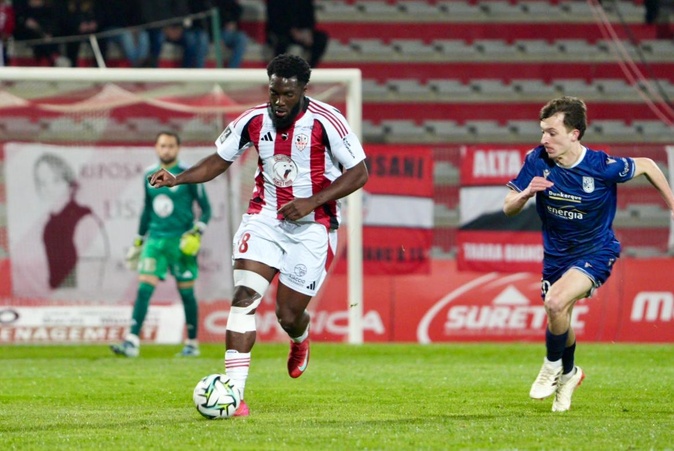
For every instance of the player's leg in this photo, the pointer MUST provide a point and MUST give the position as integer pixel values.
(186, 271)
(309, 251)
(256, 254)
(152, 266)
(251, 280)
(559, 301)
(293, 317)
(191, 309)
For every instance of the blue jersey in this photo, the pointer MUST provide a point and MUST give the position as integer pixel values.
(577, 212)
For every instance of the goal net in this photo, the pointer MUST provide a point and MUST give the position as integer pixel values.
(76, 143)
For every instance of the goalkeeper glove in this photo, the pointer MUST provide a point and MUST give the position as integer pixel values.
(190, 242)
(133, 254)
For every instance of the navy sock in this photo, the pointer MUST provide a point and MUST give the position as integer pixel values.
(555, 344)
(568, 358)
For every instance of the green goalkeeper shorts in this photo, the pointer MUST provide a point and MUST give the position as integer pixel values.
(161, 255)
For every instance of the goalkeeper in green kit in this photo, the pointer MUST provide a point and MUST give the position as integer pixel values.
(169, 237)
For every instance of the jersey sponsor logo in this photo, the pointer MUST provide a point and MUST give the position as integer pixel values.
(566, 197)
(564, 213)
(162, 206)
(347, 144)
(626, 168)
(301, 142)
(588, 184)
(224, 135)
(300, 270)
(651, 306)
(267, 137)
(283, 170)
(8, 316)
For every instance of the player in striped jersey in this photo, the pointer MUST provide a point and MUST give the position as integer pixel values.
(576, 199)
(309, 158)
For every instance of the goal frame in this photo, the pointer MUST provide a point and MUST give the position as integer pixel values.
(351, 78)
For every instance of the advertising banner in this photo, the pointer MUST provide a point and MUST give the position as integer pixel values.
(398, 210)
(488, 240)
(72, 212)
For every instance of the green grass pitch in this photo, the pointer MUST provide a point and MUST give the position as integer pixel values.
(374, 397)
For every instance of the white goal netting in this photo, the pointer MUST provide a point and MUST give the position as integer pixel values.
(81, 139)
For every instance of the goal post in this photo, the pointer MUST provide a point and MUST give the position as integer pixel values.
(349, 79)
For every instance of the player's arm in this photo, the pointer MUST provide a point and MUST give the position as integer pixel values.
(205, 170)
(350, 181)
(204, 204)
(648, 168)
(516, 200)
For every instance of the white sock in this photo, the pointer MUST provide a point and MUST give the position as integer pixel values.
(192, 342)
(236, 366)
(566, 377)
(133, 339)
(555, 364)
(302, 337)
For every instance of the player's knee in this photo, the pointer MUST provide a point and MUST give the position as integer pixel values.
(554, 306)
(287, 317)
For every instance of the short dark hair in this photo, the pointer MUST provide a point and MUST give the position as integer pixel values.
(574, 109)
(167, 133)
(289, 66)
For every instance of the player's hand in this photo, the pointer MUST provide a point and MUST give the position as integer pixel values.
(538, 184)
(296, 209)
(162, 178)
(190, 242)
(133, 254)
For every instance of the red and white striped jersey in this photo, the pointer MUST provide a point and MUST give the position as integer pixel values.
(296, 162)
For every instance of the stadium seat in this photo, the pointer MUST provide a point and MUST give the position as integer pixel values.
(454, 49)
(409, 88)
(414, 48)
(495, 48)
(536, 48)
(448, 130)
(501, 9)
(579, 49)
(486, 128)
(496, 88)
(576, 87)
(402, 130)
(608, 130)
(528, 130)
(452, 88)
(534, 88)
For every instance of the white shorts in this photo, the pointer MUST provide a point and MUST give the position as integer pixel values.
(301, 252)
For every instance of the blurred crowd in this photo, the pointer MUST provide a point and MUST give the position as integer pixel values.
(56, 29)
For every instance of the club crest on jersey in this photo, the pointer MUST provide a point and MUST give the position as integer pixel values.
(588, 184)
(283, 170)
(301, 141)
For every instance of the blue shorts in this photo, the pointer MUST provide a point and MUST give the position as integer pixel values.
(597, 267)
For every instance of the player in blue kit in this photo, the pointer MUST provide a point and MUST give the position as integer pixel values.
(575, 189)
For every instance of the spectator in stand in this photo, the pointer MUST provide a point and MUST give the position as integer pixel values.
(234, 39)
(7, 22)
(76, 17)
(659, 12)
(117, 15)
(35, 19)
(193, 39)
(293, 22)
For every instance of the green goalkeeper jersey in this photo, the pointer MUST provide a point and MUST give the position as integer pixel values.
(169, 212)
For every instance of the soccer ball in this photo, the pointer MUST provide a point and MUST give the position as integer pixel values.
(216, 397)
